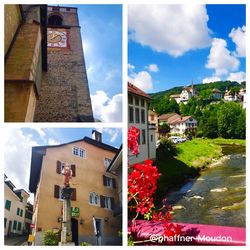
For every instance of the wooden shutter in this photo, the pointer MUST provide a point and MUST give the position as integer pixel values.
(73, 168)
(104, 180)
(58, 167)
(114, 183)
(102, 203)
(112, 203)
(56, 191)
(73, 195)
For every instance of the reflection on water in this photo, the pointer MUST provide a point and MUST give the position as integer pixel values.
(217, 197)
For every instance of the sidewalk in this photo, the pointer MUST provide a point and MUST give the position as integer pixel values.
(16, 241)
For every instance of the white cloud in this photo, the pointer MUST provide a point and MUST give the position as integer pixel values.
(221, 59)
(105, 108)
(172, 29)
(131, 67)
(113, 133)
(152, 68)
(239, 38)
(211, 79)
(238, 77)
(52, 141)
(142, 80)
(17, 156)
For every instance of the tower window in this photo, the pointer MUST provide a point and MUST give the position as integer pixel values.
(55, 20)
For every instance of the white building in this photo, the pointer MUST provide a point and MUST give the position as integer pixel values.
(229, 97)
(179, 124)
(138, 103)
(176, 97)
(187, 93)
(15, 202)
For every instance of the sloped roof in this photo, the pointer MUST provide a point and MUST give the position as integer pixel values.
(173, 118)
(135, 90)
(216, 91)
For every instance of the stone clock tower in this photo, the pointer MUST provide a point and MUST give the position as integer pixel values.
(64, 94)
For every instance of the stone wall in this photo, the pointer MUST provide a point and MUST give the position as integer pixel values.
(64, 95)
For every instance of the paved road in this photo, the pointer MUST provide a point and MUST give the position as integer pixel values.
(16, 241)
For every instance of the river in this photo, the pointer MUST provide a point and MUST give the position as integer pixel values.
(217, 196)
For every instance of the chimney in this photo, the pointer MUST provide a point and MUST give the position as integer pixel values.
(96, 135)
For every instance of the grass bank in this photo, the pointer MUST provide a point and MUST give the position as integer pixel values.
(188, 160)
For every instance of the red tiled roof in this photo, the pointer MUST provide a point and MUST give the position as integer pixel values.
(135, 90)
(173, 118)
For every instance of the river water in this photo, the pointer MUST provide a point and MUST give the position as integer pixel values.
(217, 196)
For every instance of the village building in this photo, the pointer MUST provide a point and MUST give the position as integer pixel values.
(45, 77)
(138, 104)
(229, 97)
(96, 190)
(115, 168)
(179, 124)
(16, 207)
(153, 120)
(217, 94)
(186, 94)
(176, 97)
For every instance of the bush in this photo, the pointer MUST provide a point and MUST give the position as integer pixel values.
(84, 244)
(50, 238)
(166, 147)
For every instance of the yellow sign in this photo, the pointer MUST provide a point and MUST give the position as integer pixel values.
(31, 238)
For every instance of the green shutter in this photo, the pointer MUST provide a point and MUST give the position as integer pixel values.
(18, 210)
(14, 225)
(7, 204)
(19, 227)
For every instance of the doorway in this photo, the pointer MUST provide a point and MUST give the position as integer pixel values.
(99, 231)
(74, 229)
(9, 228)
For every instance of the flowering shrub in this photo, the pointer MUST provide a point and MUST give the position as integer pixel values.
(142, 183)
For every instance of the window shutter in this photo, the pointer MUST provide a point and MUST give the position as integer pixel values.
(104, 180)
(58, 167)
(114, 183)
(73, 168)
(102, 201)
(56, 191)
(112, 203)
(73, 195)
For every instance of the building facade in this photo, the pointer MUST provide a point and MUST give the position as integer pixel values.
(45, 73)
(25, 51)
(95, 195)
(217, 94)
(138, 103)
(179, 124)
(15, 210)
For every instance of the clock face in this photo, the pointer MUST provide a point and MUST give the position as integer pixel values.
(57, 39)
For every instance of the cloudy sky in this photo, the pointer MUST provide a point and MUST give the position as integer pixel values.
(19, 141)
(185, 43)
(101, 30)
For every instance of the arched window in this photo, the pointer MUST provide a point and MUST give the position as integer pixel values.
(55, 20)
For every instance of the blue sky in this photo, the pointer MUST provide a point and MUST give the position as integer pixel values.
(101, 31)
(184, 43)
(18, 143)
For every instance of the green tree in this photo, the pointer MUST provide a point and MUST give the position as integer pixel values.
(241, 126)
(228, 116)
